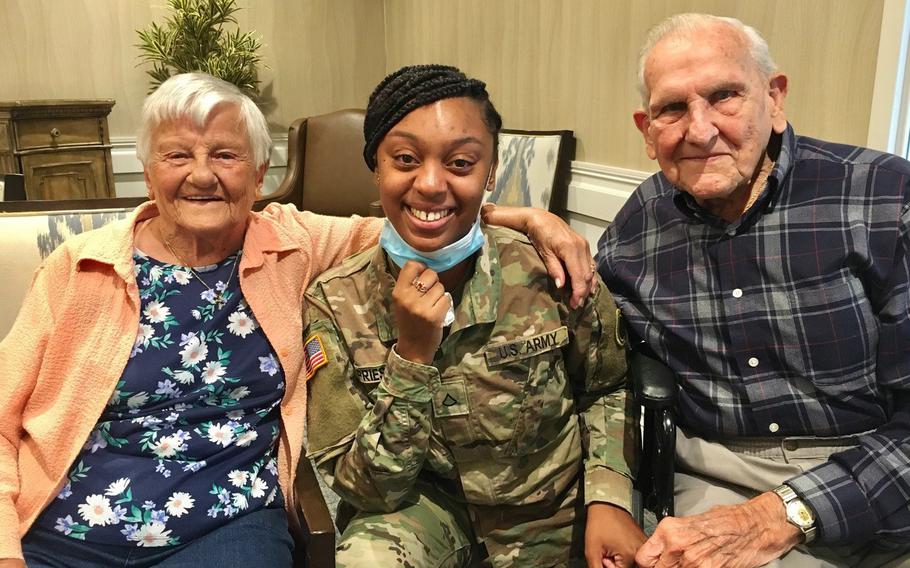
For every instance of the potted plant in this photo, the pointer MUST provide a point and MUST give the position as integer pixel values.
(194, 38)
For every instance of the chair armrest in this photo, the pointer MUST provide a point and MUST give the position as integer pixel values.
(318, 539)
(653, 383)
(654, 387)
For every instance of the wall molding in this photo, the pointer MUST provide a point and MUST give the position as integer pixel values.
(596, 194)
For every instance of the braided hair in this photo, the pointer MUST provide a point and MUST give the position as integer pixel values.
(415, 86)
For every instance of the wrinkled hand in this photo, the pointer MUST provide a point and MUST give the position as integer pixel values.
(562, 249)
(611, 537)
(419, 312)
(739, 536)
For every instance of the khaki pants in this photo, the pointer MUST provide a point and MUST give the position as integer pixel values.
(711, 473)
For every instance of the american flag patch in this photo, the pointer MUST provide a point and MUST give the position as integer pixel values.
(313, 356)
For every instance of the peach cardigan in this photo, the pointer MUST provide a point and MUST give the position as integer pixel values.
(76, 328)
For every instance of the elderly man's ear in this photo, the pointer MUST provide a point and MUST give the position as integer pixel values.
(643, 123)
(777, 92)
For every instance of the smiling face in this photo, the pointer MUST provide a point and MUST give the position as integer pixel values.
(710, 114)
(433, 167)
(203, 179)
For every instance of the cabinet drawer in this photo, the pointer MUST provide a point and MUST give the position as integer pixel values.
(49, 132)
(60, 174)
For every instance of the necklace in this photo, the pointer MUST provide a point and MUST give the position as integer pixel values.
(217, 296)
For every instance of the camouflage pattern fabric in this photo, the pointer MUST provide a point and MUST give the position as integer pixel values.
(433, 531)
(524, 397)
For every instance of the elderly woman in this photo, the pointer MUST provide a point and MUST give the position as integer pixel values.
(459, 403)
(152, 409)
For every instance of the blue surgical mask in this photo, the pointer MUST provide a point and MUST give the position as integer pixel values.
(439, 260)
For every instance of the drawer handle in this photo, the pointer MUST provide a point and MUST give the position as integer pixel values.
(55, 132)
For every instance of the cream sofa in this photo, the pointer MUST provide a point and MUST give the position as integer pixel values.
(27, 238)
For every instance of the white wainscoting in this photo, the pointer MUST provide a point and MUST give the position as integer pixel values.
(596, 193)
(129, 182)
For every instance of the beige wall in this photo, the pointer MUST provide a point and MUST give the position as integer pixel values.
(571, 63)
(548, 63)
(322, 54)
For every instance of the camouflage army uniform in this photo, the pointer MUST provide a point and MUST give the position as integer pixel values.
(524, 400)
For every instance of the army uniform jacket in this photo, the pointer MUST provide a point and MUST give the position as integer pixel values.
(522, 394)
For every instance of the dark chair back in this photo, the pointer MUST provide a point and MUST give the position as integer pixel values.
(14, 187)
(325, 163)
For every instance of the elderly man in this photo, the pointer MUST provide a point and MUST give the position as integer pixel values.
(770, 271)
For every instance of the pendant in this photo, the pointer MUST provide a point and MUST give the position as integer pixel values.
(218, 301)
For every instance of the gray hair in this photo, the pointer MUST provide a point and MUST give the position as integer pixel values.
(686, 24)
(195, 96)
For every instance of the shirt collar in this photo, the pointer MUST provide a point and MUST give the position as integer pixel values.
(262, 236)
(784, 145)
(479, 301)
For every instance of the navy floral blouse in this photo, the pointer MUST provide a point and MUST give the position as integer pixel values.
(187, 439)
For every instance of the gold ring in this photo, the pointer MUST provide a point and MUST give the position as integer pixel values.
(421, 287)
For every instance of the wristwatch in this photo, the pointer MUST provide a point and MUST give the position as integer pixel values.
(798, 513)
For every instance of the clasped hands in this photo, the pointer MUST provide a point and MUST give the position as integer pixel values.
(734, 536)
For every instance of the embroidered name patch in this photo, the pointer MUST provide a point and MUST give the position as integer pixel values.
(526, 346)
(313, 355)
(369, 375)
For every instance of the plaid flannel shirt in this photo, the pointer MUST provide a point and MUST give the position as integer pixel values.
(791, 321)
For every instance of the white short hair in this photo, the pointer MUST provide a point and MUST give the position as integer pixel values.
(195, 96)
(687, 24)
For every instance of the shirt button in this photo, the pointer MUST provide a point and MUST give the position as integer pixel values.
(791, 445)
(753, 362)
(737, 293)
(773, 427)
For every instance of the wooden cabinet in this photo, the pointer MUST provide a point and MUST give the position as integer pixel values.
(62, 146)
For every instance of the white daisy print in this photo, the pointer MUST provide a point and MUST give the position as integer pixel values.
(241, 324)
(182, 277)
(96, 511)
(155, 273)
(238, 478)
(240, 392)
(213, 371)
(137, 400)
(152, 534)
(258, 488)
(179, 504)
(219, 434)
(183, 377)
(117, 487)
(194, 352)
(240, 501)
(246, 438)
(146, 332)
(166, 446)
(156, 311)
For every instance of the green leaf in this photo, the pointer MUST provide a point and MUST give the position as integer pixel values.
(195, 37)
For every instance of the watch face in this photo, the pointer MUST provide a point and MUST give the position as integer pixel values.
(800, 514)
